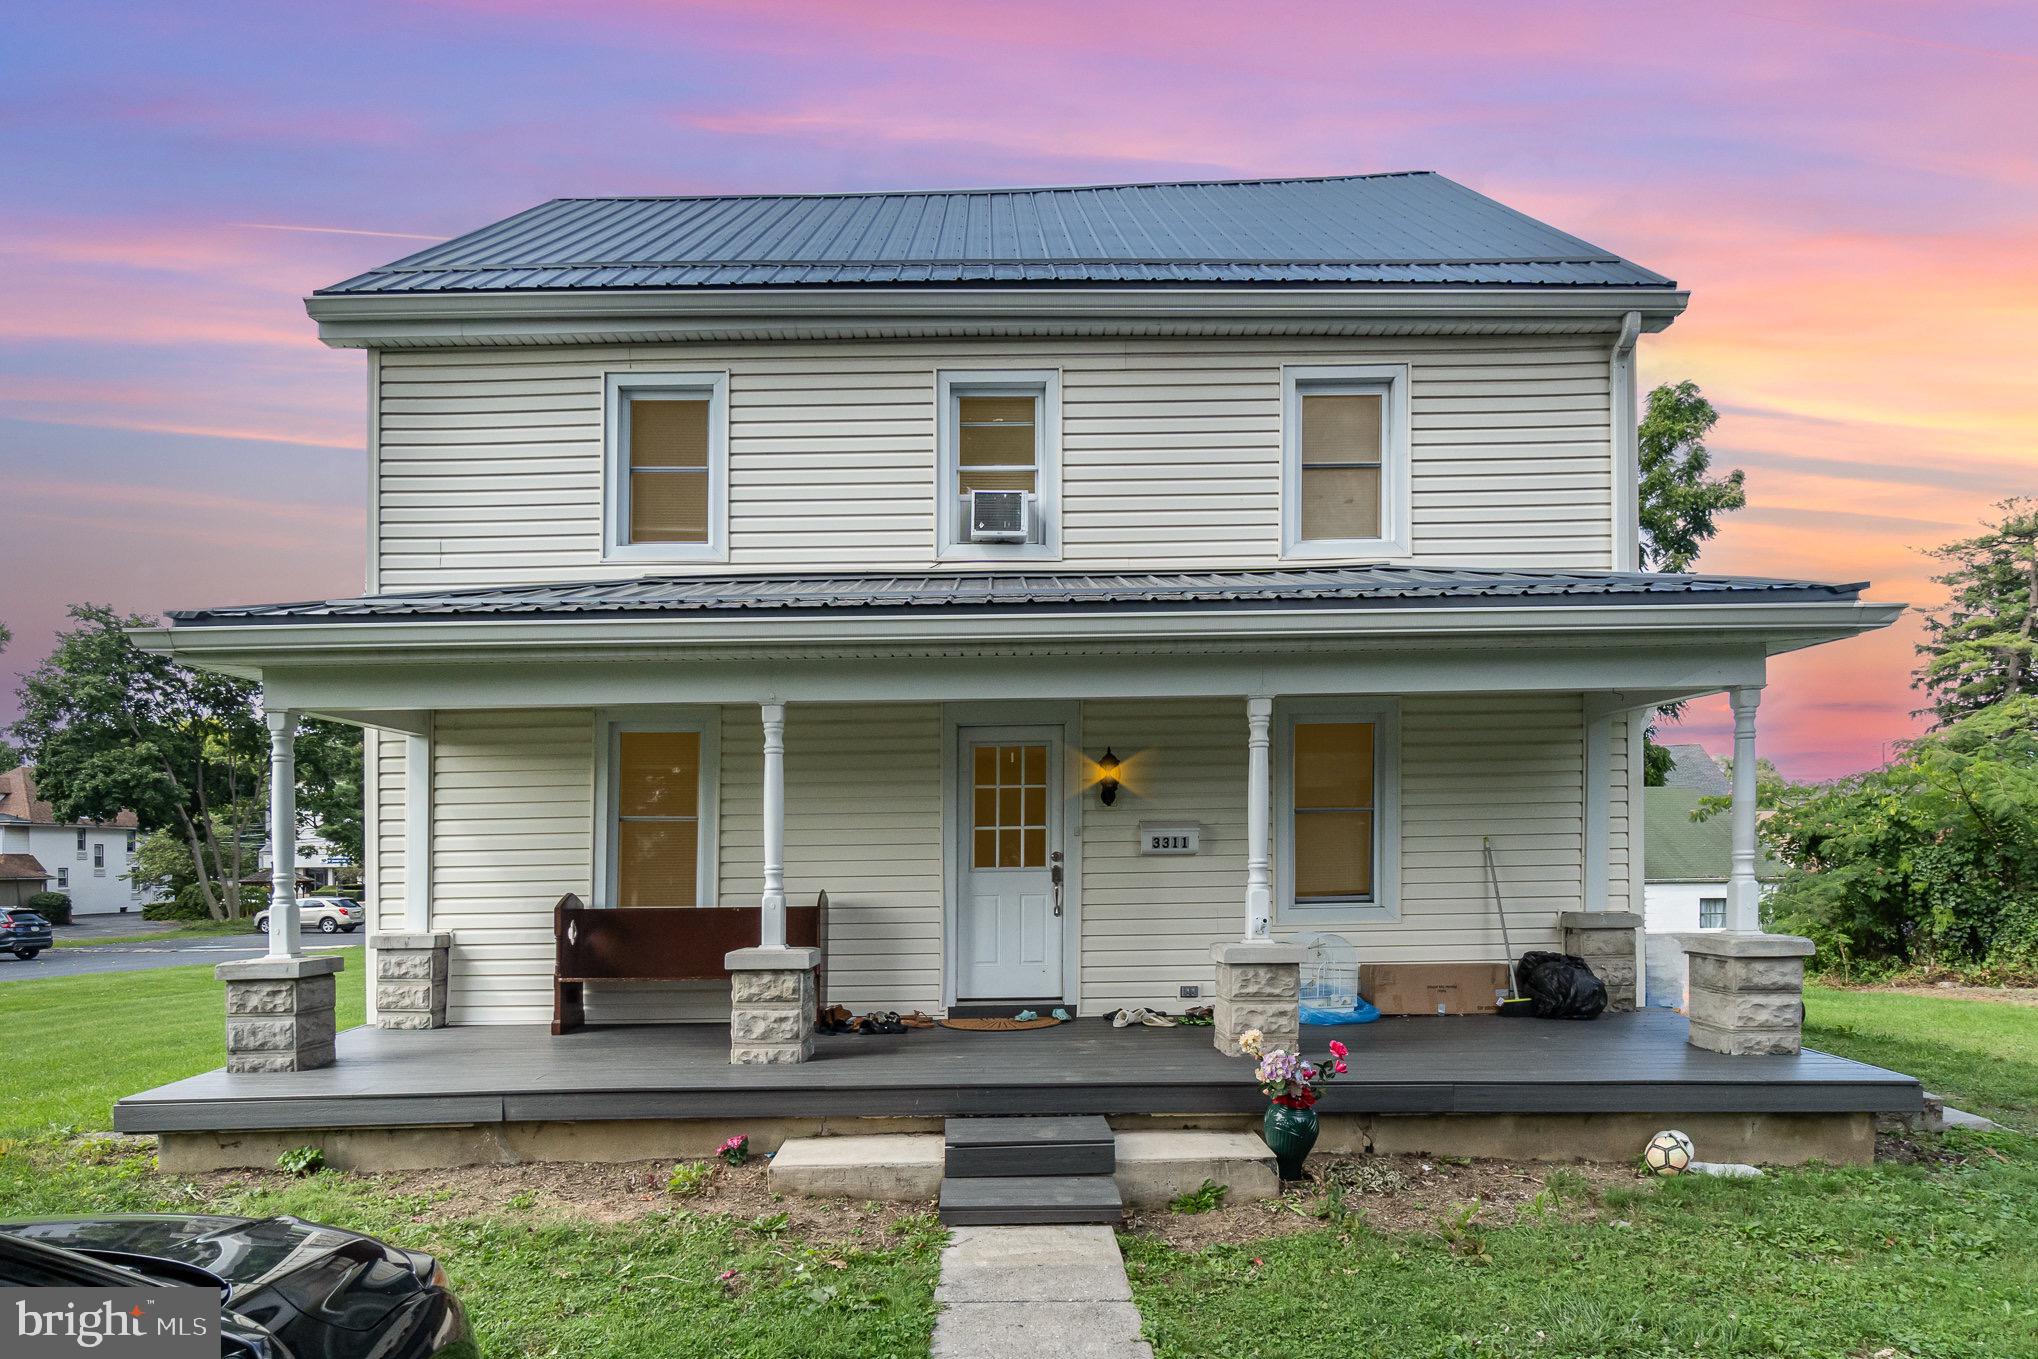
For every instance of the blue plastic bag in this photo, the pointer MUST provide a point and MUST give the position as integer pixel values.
(1363, 1014)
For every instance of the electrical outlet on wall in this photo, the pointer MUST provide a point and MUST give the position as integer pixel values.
(1191, 992)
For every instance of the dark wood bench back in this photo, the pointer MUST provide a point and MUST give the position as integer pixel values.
(684, 943)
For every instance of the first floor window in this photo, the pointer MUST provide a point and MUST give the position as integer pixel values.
(657, 834)
(1712, 913)
(63, 878)
(1335, 812)
(667, 465)
(1335, 792)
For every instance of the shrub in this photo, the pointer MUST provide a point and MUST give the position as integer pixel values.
(189, 904)
(301, 1161)
(54, 907)
(689, 1178)
(1202, 1199)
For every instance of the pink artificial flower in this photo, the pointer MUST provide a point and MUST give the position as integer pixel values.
(1340, 1067)
(1338, 1049)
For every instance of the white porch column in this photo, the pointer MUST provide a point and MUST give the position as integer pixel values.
(283, 941)
(417, 832)
(1744, 895)
(772, 933)
(1259, 910)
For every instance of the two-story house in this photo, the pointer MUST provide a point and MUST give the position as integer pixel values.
(1090, 590)
(88, 861)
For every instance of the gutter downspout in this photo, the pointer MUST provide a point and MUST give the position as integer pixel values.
(1627, 472)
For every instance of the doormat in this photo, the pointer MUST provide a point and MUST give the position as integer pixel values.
(1000, 1025)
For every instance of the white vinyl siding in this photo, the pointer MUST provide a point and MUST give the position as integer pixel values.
(863, 822)
(490, 463)
(513, 800)
(1483, 765)
(384, 831)
(512, 832)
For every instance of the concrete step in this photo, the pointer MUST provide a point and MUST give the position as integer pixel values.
(997, 1148)
(1157, 1167)
(888, 1167)
(1030, 1199)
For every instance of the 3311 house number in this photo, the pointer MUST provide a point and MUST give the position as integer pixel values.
(1170, 839)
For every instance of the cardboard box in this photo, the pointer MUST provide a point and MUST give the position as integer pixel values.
(1434, 988)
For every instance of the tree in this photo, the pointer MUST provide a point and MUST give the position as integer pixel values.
(1680, 503)
(1680, 500)
(1979, 645)
(109, 726)
(9, 757)
(1931, 860)
(329, 783)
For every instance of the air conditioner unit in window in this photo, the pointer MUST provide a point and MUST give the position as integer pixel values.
(1000, 516)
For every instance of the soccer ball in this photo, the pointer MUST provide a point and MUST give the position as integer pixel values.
(1669, 1152)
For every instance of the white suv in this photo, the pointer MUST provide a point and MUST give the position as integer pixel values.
(332, 915)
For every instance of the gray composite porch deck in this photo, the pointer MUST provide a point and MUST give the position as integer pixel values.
(1620, 1063)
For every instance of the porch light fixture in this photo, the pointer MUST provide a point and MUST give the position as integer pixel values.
(1107, 786)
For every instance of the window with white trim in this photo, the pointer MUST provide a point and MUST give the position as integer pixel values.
(63, 878)
(998, 432)
(1345, 454)
(1712, 913)
(81, 844)
(666, 483)
(657, 809)
(1337, 803)
(98, 858)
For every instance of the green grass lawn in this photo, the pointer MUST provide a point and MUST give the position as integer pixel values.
(1981, 1055)
(535, 1282)
(1903, 1261)
(76, 1044)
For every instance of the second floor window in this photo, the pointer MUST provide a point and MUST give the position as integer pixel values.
(999, 465)
(1345, 461)
(666, 486)
(98, 858)
(1712, 913)
(81, 844)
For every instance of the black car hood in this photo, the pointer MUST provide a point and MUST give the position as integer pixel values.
(276, 1266)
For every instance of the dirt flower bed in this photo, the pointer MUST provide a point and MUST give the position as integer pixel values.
(618, 1193)
(1398, 1194)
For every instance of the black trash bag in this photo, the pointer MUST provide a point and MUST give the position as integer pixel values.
(1561, 986)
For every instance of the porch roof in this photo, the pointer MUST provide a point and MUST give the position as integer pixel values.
(979, 592)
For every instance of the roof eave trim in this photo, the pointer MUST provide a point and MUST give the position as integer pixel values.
(367, 321)
(1792, 623)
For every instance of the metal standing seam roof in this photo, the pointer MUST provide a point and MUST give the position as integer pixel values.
(1402, 229)
(1374, 586)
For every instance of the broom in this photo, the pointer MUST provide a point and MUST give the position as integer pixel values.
(1516, 1003)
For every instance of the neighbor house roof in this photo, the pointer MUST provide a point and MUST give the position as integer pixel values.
(1691, 767)
(1374, 586)
(1677, 849)
(18, 802)
(22, 868)
(1390, 229)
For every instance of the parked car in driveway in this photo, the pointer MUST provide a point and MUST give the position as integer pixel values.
(332, 915)
(289, 1289)
(24, 933)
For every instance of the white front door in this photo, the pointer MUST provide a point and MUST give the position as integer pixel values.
(1009, 924)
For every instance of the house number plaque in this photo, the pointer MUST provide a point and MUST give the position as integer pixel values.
(1170, 839)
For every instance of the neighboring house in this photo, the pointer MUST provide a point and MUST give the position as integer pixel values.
(730, 550)
(21, 877)
(318, 864)
(88, 861)
(1686, 866)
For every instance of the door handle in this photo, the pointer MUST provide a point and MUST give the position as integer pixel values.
(1054, 877)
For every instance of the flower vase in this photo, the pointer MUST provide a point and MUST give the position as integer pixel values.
(1290, 1133)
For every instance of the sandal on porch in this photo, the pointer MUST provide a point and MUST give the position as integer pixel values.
(917, 1020)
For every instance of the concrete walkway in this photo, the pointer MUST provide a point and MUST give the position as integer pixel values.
(1035, 1292)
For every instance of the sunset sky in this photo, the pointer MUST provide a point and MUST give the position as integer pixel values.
(1849, 189)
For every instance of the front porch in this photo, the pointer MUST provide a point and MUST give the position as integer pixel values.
(1464, 1086)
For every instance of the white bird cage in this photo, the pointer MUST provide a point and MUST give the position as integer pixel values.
(1330, 973)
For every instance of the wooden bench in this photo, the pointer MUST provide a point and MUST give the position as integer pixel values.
(659, 944)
